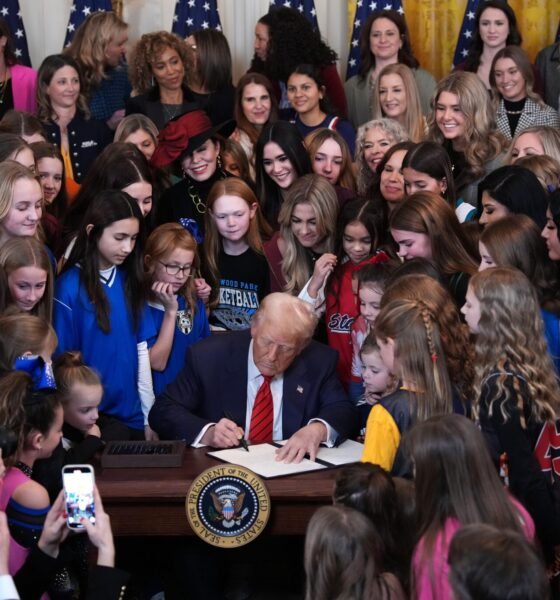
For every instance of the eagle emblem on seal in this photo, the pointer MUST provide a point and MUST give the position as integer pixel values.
(228, 507)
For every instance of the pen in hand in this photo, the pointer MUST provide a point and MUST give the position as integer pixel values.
(242, 441)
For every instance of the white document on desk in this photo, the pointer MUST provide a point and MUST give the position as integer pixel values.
(261, 459)
(347, 452)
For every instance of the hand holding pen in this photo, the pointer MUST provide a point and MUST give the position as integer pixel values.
(242, 440)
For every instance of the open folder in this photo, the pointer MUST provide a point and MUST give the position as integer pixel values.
(261, 458)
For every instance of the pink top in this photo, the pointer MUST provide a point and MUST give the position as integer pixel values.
(24, 88)
(12, 480)
(439, 588)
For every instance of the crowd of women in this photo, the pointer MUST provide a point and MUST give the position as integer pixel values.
(145, 205)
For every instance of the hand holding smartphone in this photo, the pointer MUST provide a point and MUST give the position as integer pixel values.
(78, 482)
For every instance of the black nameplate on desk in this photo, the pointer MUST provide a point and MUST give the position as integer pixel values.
(143, 454)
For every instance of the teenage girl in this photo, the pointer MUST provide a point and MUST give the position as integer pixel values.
(342, 558)
(331, 158)
(29, 410)
(100, 308)
(425, 226)
(456, 484)
(21, 202)
(370, 283)
(170, 266)
(234, 263)
(517, 397)
(307, 230)
(330, 286)
(26, 277)
(409, 338)
(50, 168)
(306, 93)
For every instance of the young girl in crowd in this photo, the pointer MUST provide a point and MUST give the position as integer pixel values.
(515, 241)
(396, 97)
(34, 414)
(551, 231)
(307, 230)
(280, 158)
(425, 226)
(511, 189)
(546, 168)
(408, 335)
(330, 286)
(50, 169)
(235, 161)
(13, 147)
(21, 202)
(139, 130)
(331, 158)
(342, 558)
(26, 277)
(456, 484)
(306, 93)
(462, 120)
(100, 308)
(234, 263)
(427, 168)
(170, 266)
(373, 140)
(79, 391)
(517, 398)
(373, 492)
(370, 283)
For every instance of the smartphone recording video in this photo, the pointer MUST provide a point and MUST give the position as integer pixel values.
(78, 482)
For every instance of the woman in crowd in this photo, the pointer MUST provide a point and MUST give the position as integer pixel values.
(518, 106)
(534, 141)
(307, 231)
(280, 158)
(139, 130)
(157, 70)
(372, 142)
(284, 39)
(306, 94)
(384, 41)
(98, 47)
(255, 106)
(511, 189)
(208, 77)
(390, 189)
(462, 120)
(330, 158)
(19, 83)
(24, 124)
(190, 144)
(396, 97)
(62, 108)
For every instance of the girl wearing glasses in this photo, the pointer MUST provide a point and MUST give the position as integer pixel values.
(170, 262)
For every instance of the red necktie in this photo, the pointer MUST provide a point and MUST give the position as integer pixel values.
(260, 430)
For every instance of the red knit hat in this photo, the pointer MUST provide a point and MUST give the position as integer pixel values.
(185, 134)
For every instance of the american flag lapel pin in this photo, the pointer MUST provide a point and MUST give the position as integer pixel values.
(299, 389)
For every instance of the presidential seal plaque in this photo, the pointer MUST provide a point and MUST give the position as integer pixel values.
(227, 506)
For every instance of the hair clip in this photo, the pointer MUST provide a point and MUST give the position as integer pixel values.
(192, 227)
(41, 372)
(434, 357)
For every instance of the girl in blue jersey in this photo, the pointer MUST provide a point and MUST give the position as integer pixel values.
(170, 262)
(100, 308)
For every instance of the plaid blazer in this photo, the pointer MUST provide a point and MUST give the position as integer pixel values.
(532, 115)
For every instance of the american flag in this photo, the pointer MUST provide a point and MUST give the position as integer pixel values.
(306, 7)
(193, 15)
(81, 9)
(9, 10)
(363, 9)
(466, 33)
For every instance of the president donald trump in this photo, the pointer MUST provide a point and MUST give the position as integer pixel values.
(270, 383)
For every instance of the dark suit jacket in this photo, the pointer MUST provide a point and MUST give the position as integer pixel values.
(214, 381)
(149, 104)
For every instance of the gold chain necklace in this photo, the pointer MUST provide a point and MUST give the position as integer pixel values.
(196, 200)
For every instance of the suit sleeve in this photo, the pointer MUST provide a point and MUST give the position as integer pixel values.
(173, 415)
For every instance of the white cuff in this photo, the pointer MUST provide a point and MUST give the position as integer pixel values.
(332, 435)
(197, 443)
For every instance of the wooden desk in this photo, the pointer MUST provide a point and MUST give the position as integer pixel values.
(151, 502)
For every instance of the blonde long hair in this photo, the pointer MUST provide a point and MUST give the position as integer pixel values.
(320, 195)
(507, 344)
(483, 141)
(414, 119)
(419, 355)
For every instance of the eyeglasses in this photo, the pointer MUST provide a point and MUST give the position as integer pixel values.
(176, 269)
